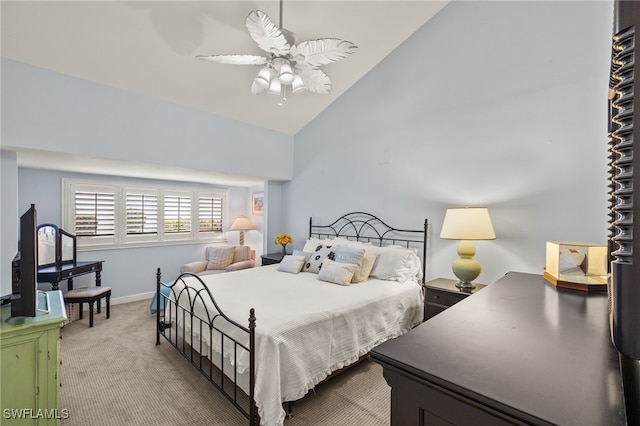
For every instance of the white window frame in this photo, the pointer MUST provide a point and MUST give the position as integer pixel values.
(121, 239)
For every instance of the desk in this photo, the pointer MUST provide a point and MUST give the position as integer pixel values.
(518, 352)
(55, 273)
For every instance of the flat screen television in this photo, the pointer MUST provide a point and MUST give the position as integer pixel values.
(24, 291)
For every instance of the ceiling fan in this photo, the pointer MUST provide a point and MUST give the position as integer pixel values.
(287, 66)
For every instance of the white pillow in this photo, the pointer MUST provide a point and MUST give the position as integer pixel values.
(396, 264)
(319, 255)
(336, 272)
(354, 244)
(291, 264)
(311, 244)
(314, 242)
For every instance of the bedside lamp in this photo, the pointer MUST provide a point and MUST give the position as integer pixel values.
(241, 224)
(467, 224)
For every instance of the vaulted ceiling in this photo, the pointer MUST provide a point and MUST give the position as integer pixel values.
(149, 47)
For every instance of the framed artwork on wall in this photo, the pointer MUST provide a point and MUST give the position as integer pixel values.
(257, 203)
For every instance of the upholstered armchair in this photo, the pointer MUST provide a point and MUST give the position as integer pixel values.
(220, 259)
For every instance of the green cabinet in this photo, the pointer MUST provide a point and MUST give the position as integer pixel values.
(30, 364)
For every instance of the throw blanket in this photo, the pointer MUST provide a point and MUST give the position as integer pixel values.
(306, 328)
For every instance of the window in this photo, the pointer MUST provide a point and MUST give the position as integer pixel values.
(177, 214)
(95, 213)
(210, 214)
(104, 214)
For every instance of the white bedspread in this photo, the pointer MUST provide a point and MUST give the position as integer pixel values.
(307, 328)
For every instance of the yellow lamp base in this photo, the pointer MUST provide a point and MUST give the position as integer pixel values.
(466, 268)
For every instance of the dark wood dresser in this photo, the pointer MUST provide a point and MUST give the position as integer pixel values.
(518, 352)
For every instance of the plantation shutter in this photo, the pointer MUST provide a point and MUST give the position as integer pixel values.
(141, 213)
(94, 214)
(210, 214)
(177, 214)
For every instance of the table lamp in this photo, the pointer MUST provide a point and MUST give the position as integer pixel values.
(241, 224)
(467, 224)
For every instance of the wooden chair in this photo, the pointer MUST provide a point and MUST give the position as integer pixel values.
(89, 295)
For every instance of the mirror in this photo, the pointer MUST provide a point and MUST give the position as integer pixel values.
(67, 247)
(47, 235)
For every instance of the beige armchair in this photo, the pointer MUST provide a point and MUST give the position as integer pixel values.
(220, 259)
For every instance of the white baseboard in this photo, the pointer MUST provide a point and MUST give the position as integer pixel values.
(132, 298)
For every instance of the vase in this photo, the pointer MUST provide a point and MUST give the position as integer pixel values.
(284, 249)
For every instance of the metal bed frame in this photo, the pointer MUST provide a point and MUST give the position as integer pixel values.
(355, 226)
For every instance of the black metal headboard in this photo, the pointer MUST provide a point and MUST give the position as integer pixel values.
(365, 227)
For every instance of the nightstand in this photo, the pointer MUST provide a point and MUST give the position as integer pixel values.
(271, 258)
(442, 293)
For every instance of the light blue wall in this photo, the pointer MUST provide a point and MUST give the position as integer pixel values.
(500, 104)
(128, 271)
(52, 112)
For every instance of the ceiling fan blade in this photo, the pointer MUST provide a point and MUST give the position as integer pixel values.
(315, 80)
(267, 34)
(235, 59)
(322, 51)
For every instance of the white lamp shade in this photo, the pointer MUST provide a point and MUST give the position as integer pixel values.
(263, 78)
(275, 86)
(286, 74)
(297, 84)
(241, 224)
(467, 223)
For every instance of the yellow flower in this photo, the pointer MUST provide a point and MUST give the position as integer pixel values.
(283, 239)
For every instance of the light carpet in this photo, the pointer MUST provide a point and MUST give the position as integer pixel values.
(114, 374)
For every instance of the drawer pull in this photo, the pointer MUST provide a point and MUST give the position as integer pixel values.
(436, 297)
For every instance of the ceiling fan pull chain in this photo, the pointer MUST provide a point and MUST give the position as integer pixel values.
(284, 95)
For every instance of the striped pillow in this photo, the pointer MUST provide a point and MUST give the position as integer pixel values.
(220, 257)
(241, 253)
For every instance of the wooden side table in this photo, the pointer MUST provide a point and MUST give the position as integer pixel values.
(271, 258)
(442, 293)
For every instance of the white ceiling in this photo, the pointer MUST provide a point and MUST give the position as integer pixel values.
(148, 48)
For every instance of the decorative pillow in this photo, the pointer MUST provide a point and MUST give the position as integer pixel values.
(241, 253)
(321, 252)
(346, 254)
(306, 254)
(311, 244)
(220, 257)
(368, 261)
(336, 272)
(291, 264)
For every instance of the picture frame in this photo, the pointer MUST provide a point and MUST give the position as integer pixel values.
(257, 203)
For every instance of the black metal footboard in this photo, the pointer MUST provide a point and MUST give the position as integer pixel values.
(184, 318)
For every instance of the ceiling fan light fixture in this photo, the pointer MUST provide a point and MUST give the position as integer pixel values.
(288, 66)
(263, 78)
(286, 73)
(275, 87)
(297, 85)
